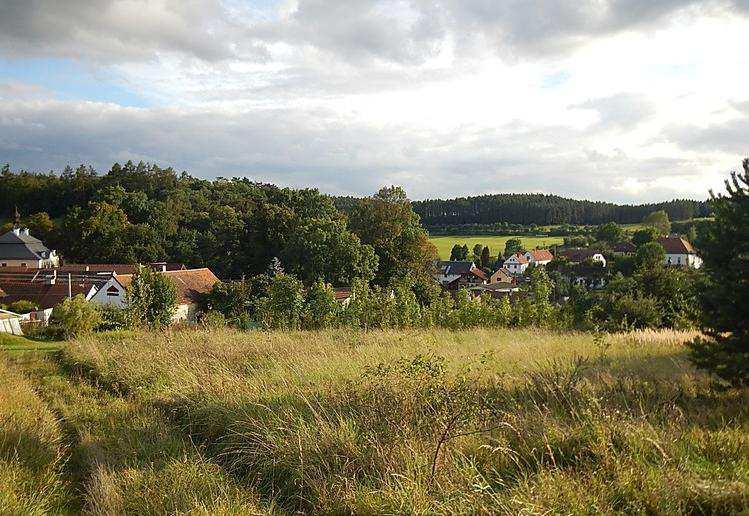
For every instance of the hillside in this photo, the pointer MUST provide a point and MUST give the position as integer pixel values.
(539, 209)
(502, 421)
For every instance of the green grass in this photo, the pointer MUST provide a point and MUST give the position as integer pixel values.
(32, 450)
(496, 243)
(505, 421)
(116, 454)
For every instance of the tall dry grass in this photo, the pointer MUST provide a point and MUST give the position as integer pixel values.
(439, 421)
(124, 457)
(31, 450)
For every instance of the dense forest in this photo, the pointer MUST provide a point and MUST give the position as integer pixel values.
(144, 213)
(544, 209)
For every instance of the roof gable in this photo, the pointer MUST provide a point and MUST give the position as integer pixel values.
(676, 245)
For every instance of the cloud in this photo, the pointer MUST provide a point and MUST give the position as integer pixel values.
(338, 154)
(620, 111)
(114, 30)
(730, 136)
(401, 32)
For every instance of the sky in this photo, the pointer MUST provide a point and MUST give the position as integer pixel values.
(617, 100)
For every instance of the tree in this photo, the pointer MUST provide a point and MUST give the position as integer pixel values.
(724, 245)
(320, 307)
(456, 254)
(660, 221)
(151, 298)
(485, 257)
(650, 255)
(477, 253)
(512, 246)
(73, 317)
(283, 307)
(645, 235)
(387, 222)
(611, 233)
(325, 249)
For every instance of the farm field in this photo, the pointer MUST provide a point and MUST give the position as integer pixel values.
(496, 243)
(424, 421)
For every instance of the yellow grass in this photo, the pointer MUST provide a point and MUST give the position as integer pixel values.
(436, 421)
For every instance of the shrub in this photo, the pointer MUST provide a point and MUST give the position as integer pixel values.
(22, 306)
(73, 317)
(152, 298)
(114, 318)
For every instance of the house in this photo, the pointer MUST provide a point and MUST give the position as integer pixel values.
(501, 275)
(624, 249)
(473, 278)
(516, 264)
(45, 294)
(19, 249)
(448, 272)
(539, 256)
(582, 255)
(343, 295)
(679, 252)
(190, 283)
(496, 290)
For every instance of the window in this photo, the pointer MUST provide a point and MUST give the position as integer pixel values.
(5, 264)
(113, 291)
(23, 265)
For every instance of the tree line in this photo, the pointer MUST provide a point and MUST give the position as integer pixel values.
(546, 209)
(141, 213)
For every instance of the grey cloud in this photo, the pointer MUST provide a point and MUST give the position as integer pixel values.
(731, 136)
(361, 29)
(319, 148)
(353, 31)
(114, 30)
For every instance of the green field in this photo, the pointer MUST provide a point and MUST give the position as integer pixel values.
(496, 243)
(347, 422)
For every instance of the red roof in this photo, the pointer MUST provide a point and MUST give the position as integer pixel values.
(42, 294)
(676, 245)
(479, 273)
(342, 293)
(541, 255)
(520, 257)
(578, 255)
(190, 283)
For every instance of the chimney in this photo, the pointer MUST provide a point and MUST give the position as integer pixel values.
(25, 231)
(16, 230)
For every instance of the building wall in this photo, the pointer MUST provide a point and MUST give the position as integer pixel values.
(684, 260)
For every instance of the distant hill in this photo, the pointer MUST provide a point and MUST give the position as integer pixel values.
(539, 209)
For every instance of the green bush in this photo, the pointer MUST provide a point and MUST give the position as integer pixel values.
(23, 306)
(152, 298)
(113, 318)
(73, 317)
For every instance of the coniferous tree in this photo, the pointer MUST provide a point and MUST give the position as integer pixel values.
(724, 246)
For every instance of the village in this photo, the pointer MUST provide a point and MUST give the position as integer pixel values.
(34, 279)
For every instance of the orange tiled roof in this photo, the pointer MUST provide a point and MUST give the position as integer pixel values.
(190, 283)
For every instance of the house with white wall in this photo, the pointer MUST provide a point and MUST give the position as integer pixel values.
(190, 283)
(679, 252)
(516, 264)
(19, 249)
(539, 256)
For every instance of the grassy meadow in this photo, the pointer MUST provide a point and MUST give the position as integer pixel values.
(432, 421)
(496, 243)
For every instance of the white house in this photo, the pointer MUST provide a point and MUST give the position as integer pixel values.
(679, 252)
(516, 264)
(539, 256)
(581, 255)
(190, 283)
(19, 249)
